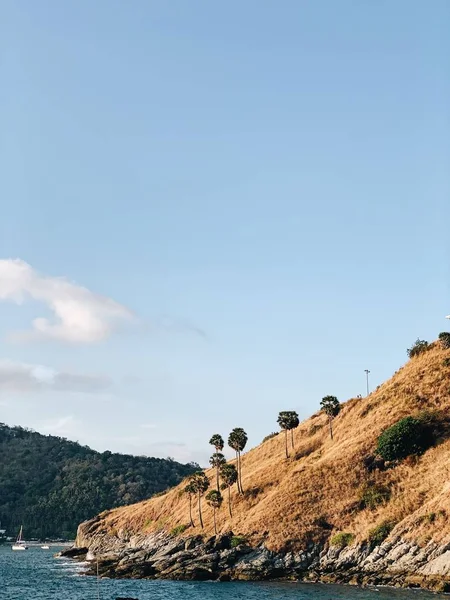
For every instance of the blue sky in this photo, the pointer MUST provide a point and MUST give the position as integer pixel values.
(261, 190)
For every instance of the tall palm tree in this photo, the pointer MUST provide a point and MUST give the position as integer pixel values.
(190, 490)
(218, 443)
(283, 421)
(214, 499)
(288, 421)
(216, 460)
(294, 423)
(331, 406)
(201, 484)
(229, 476)
(238, 440)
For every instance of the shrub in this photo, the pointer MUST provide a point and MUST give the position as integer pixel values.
(342, 539)
(417, 348)
(178, 530)
(444, 338)
(408, 436)
(373, 494)
(446, 362)
(314, 429)
(322, 522)
(378, 534)
(270, 436)
(238, 540)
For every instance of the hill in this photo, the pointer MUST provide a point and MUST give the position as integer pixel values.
(50, 484)
(333, 510)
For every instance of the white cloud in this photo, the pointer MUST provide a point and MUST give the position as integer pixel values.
(79, 314)
(22, 377)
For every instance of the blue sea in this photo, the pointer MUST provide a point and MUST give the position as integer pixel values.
(37, 575)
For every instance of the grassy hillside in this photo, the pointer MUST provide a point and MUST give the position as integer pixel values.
(50, 484)
(328, 487)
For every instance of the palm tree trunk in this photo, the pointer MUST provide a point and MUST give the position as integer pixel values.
(217, 476)
(229, 501)
(292, 438)
(286, 443)
(190, 510)
(331, 427)
(237, 467)
(200, 510)
(215, 524)
(240, 473)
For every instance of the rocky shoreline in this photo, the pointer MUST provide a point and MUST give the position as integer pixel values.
(395, 562)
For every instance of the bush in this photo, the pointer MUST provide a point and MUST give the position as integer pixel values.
(446, 362)
(444, 338)
(378, 534)
(408, 436)
(238, 540)
(341, 540)
(373, 494)
(417, 348)
(178, 530)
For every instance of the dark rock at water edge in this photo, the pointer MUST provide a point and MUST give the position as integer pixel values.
(396, 562)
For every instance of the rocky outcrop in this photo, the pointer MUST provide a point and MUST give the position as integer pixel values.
(161, 556)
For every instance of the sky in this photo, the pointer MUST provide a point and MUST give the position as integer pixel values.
(211, 212)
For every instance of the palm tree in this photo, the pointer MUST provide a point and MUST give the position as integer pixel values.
(216, 460)
(237, 440)
(218, 443)
(284, 422)
(229, 476)
(331, 406)
(191, 490)
(294, 423)
(214, 499)
(201, 484)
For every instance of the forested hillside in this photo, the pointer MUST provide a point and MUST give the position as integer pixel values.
(50, 484)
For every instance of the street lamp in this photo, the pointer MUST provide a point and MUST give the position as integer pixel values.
(367, 379)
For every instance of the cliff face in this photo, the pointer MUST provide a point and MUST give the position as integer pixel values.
(330, 511)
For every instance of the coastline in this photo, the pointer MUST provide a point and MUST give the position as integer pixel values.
(396, 562)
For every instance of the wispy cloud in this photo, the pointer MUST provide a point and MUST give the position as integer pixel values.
(79, 315)
(23, 377)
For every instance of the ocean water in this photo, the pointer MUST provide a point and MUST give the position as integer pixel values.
(37, 575)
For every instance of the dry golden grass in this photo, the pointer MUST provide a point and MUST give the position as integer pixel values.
(316, 493)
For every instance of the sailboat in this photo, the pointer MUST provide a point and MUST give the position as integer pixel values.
(45, 547)
(20, 544)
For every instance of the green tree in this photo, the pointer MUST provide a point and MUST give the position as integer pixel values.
(201, 484)
(214, 499)
(295, 422)
(237, 440)
(190, 490)
(331, 406)
(419, 347)
(288, 421)
(216, 460)
(229, 476)
(283, 422)
(218, 443)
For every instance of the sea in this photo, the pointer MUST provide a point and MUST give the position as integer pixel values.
(37, 575)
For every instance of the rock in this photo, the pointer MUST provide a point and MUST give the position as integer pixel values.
(73, 552)
(397, 561)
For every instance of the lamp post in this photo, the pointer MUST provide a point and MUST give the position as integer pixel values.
(367, 379)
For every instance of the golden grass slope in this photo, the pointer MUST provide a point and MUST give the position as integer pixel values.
(317, 492)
